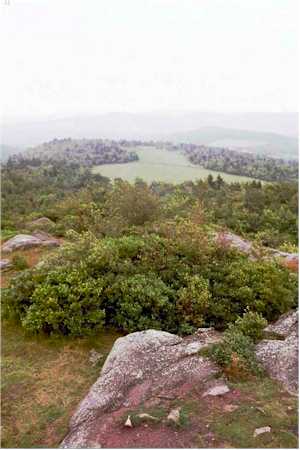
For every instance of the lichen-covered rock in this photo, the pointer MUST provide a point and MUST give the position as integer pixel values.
(280, 357)
(285, 325)
(26, 241)
(141, 366)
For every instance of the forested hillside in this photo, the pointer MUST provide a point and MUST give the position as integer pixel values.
(97, 152)
(87, 152)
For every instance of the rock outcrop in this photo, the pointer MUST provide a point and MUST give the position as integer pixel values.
(280, 357)
(26, 241)
(5, 264)
(141, 368)
(149, 367)
(243, 245)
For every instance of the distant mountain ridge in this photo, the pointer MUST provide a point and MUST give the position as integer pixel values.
(271, 144)
(278, 132)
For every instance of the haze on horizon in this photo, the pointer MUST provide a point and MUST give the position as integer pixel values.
(69, 57)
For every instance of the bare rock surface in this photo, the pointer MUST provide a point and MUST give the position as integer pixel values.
(141, 368)
(285, 325)
(233, 240)
(280, 357)
(243, 245)
(5, 264)
(26, 241)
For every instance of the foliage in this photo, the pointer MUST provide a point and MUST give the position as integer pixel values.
(141, 281)
(251, 324)
(134, 204)
(62, 302)
(235, 354)
(193, 302)
(240, 163)
(19, 262)
(87, 152)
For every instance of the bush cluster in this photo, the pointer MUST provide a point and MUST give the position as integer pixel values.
(148, 281)
(236, 352)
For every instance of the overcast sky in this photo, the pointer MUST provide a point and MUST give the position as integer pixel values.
(66, 57)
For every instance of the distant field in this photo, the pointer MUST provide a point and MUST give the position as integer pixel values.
(161, 165)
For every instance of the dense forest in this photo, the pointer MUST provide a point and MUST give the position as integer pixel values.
(86, 152)
(65, 193)
(240, 163)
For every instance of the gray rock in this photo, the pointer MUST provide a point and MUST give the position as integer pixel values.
(261, 430)
(94, 357)
(218, 389)
(174, 415)
(5, 264)
(285, 325)
(140, 366)
(245, 246)
(233, 240)
(26, 241)
(280, 357)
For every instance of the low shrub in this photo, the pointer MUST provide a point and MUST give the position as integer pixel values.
(148, 281)
(19, 262)
(235, 354)
(251, 324)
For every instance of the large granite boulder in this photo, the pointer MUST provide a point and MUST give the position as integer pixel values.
(279, 356)
(141, 368)
(26, 241)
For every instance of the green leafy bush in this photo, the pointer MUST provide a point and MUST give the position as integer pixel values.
(251, 324)
(193, 302)
(61, 302)
(144, 301)
(176, 282)
(235, 354)
(19, 262)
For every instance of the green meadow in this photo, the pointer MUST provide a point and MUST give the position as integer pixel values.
(161, 165)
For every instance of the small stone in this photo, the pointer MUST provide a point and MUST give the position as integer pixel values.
(217, 390)
(193, 348)
(261, 430)
(230, 408)
(174, 415)
(95, 357)
(147, 416)
(128, 422)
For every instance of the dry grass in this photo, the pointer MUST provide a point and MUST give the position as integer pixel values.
(43, 380)
(32, 257)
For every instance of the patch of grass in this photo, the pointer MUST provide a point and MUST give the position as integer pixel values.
(43, 380)
(262, 404)
(161, 165)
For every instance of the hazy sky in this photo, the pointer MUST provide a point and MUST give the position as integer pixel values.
(90, 56)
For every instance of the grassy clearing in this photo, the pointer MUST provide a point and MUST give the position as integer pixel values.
(161, 165)
(43, 380)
